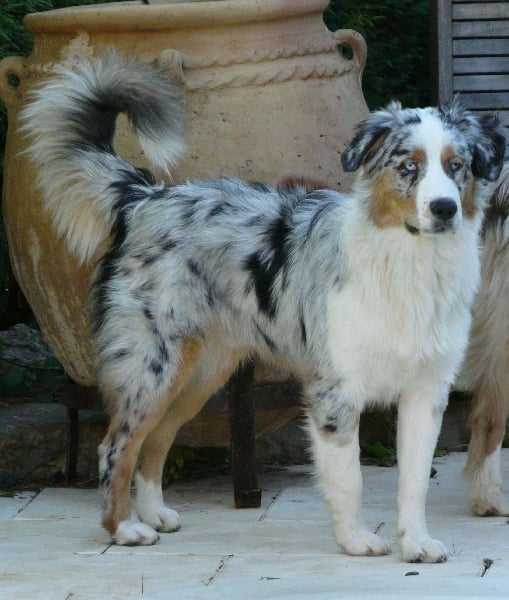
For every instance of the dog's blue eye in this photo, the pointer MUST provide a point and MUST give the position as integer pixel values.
(455, 165)
(410, 166)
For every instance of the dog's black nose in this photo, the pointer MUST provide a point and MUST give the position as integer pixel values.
(443, 208)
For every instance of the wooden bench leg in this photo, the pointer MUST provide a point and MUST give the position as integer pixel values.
(242, 433)
(75, 398)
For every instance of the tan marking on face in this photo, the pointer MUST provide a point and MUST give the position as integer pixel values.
(419, 155)
(469, 193)
(388, 207)
(446, 156)
(469, 200)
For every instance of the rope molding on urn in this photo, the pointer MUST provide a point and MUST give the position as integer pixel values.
(259, 66)
(250, 73)
(262, 66)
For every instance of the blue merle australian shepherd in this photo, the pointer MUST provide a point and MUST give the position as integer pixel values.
(366, 296)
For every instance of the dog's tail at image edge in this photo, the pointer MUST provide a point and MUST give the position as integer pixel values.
(70, 122)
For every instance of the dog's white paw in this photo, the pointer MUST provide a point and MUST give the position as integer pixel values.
(485, 488)
(151, 509)
(489, 502)
(130, 533)
(426, 550)
(363, 543)
(161, 518)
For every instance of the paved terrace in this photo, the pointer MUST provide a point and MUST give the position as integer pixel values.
(52, 547)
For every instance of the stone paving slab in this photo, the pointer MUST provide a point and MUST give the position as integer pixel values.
(52, 546)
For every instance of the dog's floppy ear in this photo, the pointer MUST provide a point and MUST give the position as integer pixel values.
(489, 149)
(369, 137)
(485, 137)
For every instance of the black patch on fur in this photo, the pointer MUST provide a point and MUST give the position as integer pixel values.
(369, 134)
(319, 195)
(341, 420)
(162, 349)
(260, 187)
(303, 332)
(330, 427)
(156, 367)
(488, 153)
(105, 479)
(262, 279)
(107, 269)
(148, 313)
(134, 186)
(197, 272)
(270, 343)
(326, 204)
(217, 210)
(149, 259)
(94, 122)
(396, 152)
(188, 206)
(147, 286)
(256, 221)
(168, 245)
(264, 273)
(193, 267)
(412, 119)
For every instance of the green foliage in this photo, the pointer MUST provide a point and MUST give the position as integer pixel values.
(18, 381)
(397, 34)
(187, 463)
(14, 376)
(376, 450)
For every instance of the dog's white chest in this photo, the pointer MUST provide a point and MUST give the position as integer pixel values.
(370, 346)
(387, 330)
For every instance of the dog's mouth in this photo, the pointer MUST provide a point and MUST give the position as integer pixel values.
(443, 227)
(438, 227)
(412, 229)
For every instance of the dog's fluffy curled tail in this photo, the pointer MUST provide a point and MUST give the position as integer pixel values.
(70, 120)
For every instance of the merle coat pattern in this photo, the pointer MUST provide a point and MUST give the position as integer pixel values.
(366, 296)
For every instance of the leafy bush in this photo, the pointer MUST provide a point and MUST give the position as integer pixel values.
(397, 34)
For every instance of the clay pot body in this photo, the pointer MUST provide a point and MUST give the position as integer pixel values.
(268, 91)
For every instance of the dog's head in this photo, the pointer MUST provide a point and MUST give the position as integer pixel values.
(421, 168)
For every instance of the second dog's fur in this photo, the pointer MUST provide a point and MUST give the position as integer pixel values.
(485, 371)
(366, 296)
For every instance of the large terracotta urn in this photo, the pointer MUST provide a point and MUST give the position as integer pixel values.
(269, 91)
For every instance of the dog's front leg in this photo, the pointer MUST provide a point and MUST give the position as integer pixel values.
(419, 420)
(334, 431)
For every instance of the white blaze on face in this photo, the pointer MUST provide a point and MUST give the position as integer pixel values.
(436, 143)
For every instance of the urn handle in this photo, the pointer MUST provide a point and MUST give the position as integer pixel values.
(10, 66)
(348, 38)
(172, 61)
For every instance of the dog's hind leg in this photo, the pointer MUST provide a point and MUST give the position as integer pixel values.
(486, 367)
(490, 409)
(133, 418)
(334, 429)
(211, 373)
